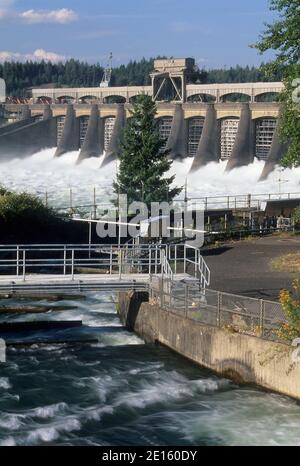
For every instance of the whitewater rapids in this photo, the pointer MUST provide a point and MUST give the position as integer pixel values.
(42, 172)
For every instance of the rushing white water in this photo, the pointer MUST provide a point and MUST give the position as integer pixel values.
(121, 391)
(42, 172)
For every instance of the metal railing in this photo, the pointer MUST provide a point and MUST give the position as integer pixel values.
(255, 317)
(71, 200)
(73, 260)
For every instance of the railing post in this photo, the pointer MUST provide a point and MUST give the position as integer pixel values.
(120, 263)
(186, 299)
(196, 261)
(249, 201)
(175, 258)
(162, 292)
(95, 203)
(18, 258)
(72, 266)
(150, 288)
(110, 260)
(65, 260)
(219, 301)
(150, 258)
(156, 258)
(261, 318)
(24, 265)
(184, 259)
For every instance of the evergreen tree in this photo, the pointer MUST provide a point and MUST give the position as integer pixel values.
(283, 36)
(73, 73)
(143, 162)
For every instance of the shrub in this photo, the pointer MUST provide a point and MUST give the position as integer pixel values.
(296, 215)
(24, 217)
(3, 191)
(291, 307)
(19, 207)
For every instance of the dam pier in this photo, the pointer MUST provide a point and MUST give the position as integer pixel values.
(237, 123)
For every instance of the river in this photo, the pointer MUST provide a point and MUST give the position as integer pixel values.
(42, 172)
(121, 391)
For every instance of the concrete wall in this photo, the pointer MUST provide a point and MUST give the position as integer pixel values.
(208, 148)
(242, 358)
(27, 139)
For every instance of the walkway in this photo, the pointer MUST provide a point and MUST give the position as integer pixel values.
(244, 267)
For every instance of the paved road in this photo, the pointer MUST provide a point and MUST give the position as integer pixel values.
(244, 267)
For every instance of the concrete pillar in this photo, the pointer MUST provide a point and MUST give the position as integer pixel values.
(47, 112)
(25, 112)
(277, 152)
(243, 149)
(117, 136)
(177, 141)
(209, 144)
(91, 146)
(70, 137)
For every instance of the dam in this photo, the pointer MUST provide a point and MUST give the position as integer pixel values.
(235, 123)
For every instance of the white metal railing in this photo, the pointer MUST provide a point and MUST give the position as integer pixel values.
(72, 201)
(71, 260)
(74, 260)
(193, 257)
(167, 271)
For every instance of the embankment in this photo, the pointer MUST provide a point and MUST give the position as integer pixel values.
(243, 358)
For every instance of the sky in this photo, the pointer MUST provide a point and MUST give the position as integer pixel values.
(216, 33)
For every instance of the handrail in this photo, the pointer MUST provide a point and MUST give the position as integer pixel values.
(201, 268)
(20, 261)
(249, 200)
(166, 268)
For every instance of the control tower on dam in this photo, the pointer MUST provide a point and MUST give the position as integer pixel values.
(208, 122)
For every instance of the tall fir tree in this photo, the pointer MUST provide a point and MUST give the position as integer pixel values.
(143, 161)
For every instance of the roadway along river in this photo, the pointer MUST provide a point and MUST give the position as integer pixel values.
(124, 392)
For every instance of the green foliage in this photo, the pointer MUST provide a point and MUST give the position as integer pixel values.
(296, 215)
(283, 36)
(16, 208)
(24, 218)
(3, 191)
(143, 163)
(291, 308)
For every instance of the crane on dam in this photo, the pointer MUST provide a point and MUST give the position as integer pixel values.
(106, 78)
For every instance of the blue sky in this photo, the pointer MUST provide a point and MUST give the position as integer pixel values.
(215, 32)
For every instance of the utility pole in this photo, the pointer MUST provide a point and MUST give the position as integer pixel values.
(281, 181)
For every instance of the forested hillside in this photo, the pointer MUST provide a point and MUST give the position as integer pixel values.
(73, 73)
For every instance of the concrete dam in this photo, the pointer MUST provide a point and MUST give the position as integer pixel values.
(196, 120)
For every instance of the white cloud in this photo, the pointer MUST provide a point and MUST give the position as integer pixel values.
(37, 55)
(41, 54)
(62, 16)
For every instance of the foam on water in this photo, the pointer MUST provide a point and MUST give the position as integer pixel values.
(42, 172)
(124, 392)
(4, 383)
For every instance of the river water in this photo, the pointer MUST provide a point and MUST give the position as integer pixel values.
(42, 172)
(121, 391)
